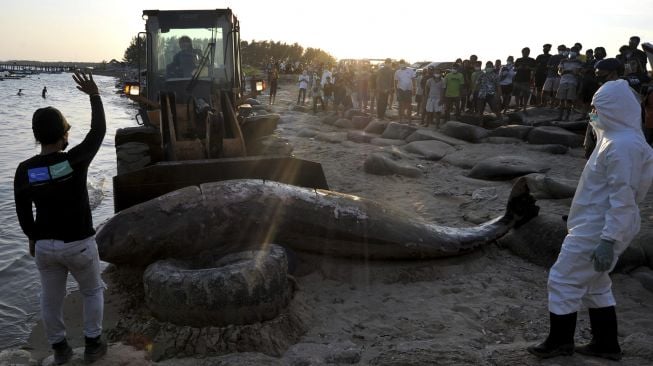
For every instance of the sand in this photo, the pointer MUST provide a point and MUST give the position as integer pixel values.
(483, 308)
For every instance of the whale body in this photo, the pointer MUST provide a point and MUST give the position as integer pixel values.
(235, 215)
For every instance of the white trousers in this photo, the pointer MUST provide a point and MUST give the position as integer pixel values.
(54, 259)
(573, 282)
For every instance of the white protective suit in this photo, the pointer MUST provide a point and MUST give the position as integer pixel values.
(615, 180)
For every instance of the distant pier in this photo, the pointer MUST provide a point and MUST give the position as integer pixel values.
(16, 68)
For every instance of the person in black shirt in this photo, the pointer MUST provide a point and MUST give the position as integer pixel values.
(61, 237)
(525, 69)
(185, 61)
(541, 62)
(640, 55)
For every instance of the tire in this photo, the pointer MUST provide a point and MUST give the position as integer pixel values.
(239, 288)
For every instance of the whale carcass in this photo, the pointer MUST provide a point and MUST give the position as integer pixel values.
(235, 215)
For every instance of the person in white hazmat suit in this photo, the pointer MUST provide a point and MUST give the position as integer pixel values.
(603, 220)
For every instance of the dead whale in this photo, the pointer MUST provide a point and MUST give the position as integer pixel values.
(231, 216)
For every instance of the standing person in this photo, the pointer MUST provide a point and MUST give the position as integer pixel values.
(637, 53)
(362, 84)
(587, 87)
(303, 85)
(420, 82)
(327, 93)
(384, 83)
(371, 83)
(433, 90)
(603, 219)
(316, 93)
(421, 103)
(569, 69)
(44, 92)
(326, 73)
(62, 238)
(506, 75)
(489, 91)
(472, 66)
(466, 69)
(404, 89)
(453, 82)
(541, 62)
(339, 94)
(352, 86)
(552, 81)
(391, 97)
(524, 73)
(273, 79)
(474, 85)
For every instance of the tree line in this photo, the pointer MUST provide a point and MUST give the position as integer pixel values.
(257, 54)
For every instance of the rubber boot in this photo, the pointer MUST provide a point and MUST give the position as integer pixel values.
(62, 352)
(95, 349)
(604, 341)
(560, 341)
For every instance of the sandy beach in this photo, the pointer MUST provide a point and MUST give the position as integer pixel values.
(482, 308)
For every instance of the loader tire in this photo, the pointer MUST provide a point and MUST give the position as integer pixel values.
(238, 288)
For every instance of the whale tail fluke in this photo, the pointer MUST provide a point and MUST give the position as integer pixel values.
(521, 205)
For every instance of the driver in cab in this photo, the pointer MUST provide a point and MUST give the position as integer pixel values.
(185, 61)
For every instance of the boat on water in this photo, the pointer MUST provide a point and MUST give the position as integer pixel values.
(9, 75)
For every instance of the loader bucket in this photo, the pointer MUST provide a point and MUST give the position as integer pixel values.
(153, 181)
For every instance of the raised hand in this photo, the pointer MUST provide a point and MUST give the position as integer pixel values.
(85, 82)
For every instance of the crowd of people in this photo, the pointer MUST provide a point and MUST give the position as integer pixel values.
(565, 80)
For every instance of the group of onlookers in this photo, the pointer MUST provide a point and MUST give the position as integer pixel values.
(564, 80)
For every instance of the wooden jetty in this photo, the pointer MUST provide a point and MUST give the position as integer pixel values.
(35, 68)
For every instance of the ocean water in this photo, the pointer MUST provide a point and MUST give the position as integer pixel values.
(19, 282)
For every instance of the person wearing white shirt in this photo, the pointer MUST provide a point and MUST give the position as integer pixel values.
(303, 86)
(404, 87)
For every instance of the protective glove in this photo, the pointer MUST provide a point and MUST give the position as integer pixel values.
(603, 255)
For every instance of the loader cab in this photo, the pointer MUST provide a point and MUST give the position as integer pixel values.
(192, 53)
(191, 128)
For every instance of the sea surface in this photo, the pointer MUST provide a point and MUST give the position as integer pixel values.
(19, 282)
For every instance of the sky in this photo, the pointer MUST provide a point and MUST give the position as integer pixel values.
(418, 30)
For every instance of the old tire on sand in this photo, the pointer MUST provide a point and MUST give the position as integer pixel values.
(238, 288)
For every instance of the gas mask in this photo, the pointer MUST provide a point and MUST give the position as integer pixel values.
(594, 119)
